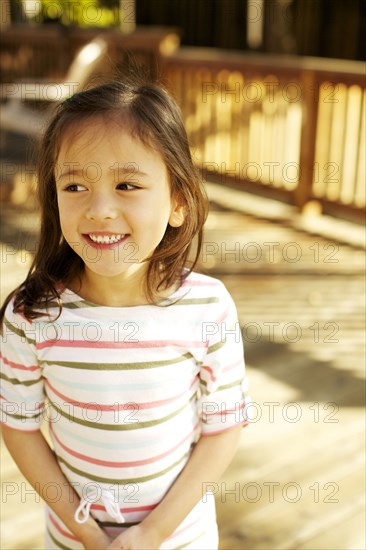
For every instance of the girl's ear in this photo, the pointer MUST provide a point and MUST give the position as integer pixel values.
(177, 215)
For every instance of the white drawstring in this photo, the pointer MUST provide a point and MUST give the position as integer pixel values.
(112, 507)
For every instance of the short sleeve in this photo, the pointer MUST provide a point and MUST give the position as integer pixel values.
(224, 397)
(22, 389)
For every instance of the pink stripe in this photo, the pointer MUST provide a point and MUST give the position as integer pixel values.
(126, 511)
(17, 365)
(115, 406)
(120, 464)
(193, 282)
(176, 533)
(118, 345)
(226, 411)
(60, 530)
(233, 365)
(60, 287)
(20, 312)
(18, 429)
(209, 369)
(223, 316)
(243, 424)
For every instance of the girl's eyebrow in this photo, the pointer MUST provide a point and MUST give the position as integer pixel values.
(128, 170)
(71, 173)
(131, 171)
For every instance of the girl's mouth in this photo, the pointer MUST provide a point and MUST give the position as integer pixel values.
(104, 240)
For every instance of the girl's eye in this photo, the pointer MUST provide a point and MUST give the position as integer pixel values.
(127, 186)
(75, 188)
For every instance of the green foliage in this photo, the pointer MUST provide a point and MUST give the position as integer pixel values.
(81, 13)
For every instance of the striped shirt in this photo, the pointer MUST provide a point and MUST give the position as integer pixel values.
(127, 392)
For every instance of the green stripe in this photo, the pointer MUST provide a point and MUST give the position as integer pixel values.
(114, 524)
(121, 481)
(216, 346)
(15, 381)
(119, 366)
(120, 427)
(182, 302)
(22, 416)
(121, 526)
(68, 305)
(220, 388)
(59, 544)
(84, 303)
(19, 332)
(191, 301)
(232, 384)
(47, 305)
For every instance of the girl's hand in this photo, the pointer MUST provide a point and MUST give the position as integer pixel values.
(101, 541)
(137, 538)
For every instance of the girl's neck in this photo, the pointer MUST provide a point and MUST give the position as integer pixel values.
(115, 292)
(111, 291)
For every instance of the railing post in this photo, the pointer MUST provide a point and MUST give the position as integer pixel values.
(303, 192)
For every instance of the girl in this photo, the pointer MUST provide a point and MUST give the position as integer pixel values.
(135, 360)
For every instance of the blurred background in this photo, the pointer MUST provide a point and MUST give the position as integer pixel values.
(273, 97)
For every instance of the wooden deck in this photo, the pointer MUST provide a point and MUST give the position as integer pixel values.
(297, 481)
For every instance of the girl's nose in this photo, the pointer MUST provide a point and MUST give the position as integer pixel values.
(101, 207)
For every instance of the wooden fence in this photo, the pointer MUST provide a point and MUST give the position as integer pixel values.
(292, 128)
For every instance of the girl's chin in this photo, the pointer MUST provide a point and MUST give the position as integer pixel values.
(111, 257)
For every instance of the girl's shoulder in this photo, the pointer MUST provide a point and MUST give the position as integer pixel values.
(203, 298)
(203, 286)
(200, 279)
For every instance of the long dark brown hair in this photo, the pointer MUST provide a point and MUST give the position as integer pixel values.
(153, 117)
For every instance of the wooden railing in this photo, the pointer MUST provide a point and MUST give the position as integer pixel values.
(292, 128)
(286, 127)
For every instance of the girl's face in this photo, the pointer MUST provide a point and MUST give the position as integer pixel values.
(114, 200)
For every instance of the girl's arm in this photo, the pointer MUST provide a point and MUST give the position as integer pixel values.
(39, 466)
(209, 459)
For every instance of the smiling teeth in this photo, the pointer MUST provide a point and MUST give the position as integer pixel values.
(106, 239)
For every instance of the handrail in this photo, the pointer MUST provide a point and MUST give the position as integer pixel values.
(257, 119)
(232, 59)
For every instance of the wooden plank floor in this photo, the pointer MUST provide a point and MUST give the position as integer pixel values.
(297, 481)
(299, 473)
